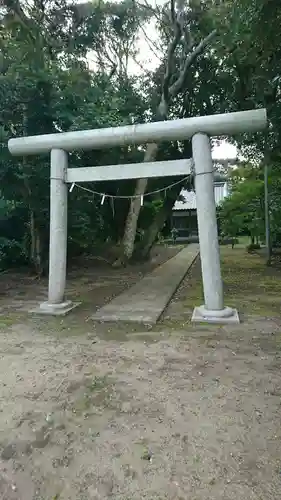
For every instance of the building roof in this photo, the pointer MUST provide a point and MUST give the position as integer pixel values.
(189, 203)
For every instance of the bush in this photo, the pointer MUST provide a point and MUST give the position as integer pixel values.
(252, 247)
(11, 253)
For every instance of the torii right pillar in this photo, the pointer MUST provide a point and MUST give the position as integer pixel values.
(213, 310)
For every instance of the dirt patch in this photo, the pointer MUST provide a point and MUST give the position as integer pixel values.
(93, 282)
(174, 412)
(178, 418)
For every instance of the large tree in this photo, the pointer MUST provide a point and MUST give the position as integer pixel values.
(65, 67)
(47, 86)
(185, 44)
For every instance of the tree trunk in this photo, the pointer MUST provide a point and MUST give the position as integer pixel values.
(134, 210)
(169, 91)
(35, 246)
(151, 233)
(142, 252)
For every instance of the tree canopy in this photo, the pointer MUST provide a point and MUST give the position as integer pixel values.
(67, 66)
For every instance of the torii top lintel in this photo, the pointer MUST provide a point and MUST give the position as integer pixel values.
(170, 130)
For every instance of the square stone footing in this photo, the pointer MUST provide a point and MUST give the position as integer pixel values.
(199, 317)
(45, 308)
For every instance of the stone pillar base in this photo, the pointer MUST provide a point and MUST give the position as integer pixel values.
(61, 309)
(225, 316)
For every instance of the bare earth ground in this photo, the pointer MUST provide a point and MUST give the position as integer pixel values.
(174, 412)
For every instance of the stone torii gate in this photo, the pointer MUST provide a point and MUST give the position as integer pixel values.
(197, 128)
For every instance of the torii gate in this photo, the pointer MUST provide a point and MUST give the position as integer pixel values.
(199, 129)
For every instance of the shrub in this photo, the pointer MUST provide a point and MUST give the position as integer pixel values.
(252, 247)
(11, 253)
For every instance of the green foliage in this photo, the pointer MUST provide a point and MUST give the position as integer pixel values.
(11, 231)
(46, 87)
(243, 211)
(252, 247)
(65, 67)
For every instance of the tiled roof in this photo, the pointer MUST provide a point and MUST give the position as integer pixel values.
(221, 192)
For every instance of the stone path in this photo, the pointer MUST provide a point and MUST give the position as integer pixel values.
(146, 300)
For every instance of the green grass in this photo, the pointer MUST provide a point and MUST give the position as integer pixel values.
(9, 320)
(244, 241)
(249, 284)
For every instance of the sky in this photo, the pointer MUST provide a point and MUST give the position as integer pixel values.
(224, 151)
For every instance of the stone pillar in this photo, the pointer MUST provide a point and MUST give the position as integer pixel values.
(57, 305)
(58, 227)
(213, 310)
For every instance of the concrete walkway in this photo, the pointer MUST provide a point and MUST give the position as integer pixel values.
(146, 300)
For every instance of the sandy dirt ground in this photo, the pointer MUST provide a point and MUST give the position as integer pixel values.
(175, 412)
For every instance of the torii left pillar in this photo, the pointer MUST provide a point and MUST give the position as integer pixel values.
(56, 304)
